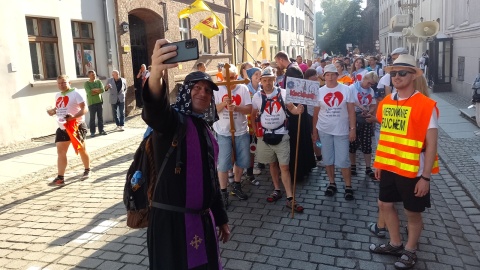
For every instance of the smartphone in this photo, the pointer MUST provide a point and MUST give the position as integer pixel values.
(186, 50)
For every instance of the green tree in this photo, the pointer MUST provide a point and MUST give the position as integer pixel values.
(341, 24)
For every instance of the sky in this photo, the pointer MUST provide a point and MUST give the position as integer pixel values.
(318, 2)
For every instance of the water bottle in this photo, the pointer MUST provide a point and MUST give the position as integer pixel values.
(258, 124)
(137, 176)
(318, 144)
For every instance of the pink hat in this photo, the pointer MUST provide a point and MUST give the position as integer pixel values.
(303, 67)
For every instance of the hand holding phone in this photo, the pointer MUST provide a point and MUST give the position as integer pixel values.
(187, 50)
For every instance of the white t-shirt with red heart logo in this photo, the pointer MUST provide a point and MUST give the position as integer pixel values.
(241, 97)
(333, 114)
(69, 104)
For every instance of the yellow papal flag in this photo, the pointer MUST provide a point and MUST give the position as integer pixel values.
(210, 27)
(196, 6)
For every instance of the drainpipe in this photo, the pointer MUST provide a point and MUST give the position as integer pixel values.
(107, 34)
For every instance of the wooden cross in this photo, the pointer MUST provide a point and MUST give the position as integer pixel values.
(229, 83)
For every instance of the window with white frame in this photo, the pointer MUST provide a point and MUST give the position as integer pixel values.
(43, 42)
(221, 43)
(84, 47)
(184, 27)
(286, 22)
(205, 44)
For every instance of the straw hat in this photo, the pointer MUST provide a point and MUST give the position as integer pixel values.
(405, 60)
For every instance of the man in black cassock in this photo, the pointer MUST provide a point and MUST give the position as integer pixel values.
(306, 158)
(186, 205)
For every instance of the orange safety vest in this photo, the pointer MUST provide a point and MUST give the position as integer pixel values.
(402, 134)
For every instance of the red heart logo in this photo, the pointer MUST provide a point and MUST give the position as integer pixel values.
(62, 102)
(359, 77)
(333, 99)
(237, 99)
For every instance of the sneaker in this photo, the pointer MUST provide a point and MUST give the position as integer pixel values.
(92, 135)
(103, 133)
(121, 128)
(237, 191)
(256, 171)
(86, 174)
(252, 180)
(225, 199)
(57, 182)
(379, 232)
(387, 249)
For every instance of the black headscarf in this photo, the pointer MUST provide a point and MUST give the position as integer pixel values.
(183, 103)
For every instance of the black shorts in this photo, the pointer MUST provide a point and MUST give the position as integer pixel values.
(396, 188)
(62, 136)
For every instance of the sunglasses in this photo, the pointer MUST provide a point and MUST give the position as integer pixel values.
(402, 73)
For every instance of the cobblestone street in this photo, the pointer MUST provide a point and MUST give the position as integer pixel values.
(82, 226)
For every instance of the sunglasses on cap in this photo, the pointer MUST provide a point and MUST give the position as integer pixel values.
(402, 73)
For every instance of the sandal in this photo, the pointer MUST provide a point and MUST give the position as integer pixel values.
(379, 232)
(386, 249)
(406, 261)
(331, 190)
(297, 207)
(348, 193)
(369, 172)
(275, 196)
(353, 170)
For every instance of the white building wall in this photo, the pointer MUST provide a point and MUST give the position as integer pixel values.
(291, 42)
(23, 99)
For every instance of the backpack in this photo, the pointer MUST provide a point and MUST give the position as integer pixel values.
(141, 178)
(272, 138)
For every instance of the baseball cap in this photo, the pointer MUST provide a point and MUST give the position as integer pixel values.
(200, 76)
(400, 50)
(330, 68)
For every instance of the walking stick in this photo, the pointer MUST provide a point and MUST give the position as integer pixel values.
(296, 163)
(228, 83)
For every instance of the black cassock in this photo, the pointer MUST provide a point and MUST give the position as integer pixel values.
(306, 158)
(166, 236)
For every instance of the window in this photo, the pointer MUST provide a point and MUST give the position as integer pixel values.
(293, 23)
(286, 22)
(461, 68)
(282, 22)
(43, 42)
(270, 15)
(221, 44)
(262, 10)
(184, 26)
(83, 46)
(206, 44)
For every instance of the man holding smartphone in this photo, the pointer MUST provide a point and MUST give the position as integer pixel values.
(186, 204)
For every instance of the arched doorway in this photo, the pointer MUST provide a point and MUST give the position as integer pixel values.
(138, 44)
(145, 28)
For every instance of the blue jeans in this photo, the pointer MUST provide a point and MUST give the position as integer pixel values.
(119, 109)
(96, 109)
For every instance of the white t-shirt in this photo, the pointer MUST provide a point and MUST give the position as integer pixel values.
(333, 114)
(241, 97)
(273, 116)
(319, 70)
(385, 81)
(358, 75)
(363, 98)
(432, 124)
(69, 103)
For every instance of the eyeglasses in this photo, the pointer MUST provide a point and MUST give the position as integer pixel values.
(402, 73)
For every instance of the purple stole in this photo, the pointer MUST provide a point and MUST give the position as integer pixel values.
(194, 231)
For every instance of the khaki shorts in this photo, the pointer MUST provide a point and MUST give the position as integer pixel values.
(272, 153)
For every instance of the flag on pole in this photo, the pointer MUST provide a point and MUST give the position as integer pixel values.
(196, 6)
(210, 27)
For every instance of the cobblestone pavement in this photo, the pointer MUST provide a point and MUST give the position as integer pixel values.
(82, 226)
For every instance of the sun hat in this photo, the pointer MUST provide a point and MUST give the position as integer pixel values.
(405, 60)
(200, 76)
(330, 68)
(268, 73)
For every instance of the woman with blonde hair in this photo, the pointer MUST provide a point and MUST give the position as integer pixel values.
(420, 84)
